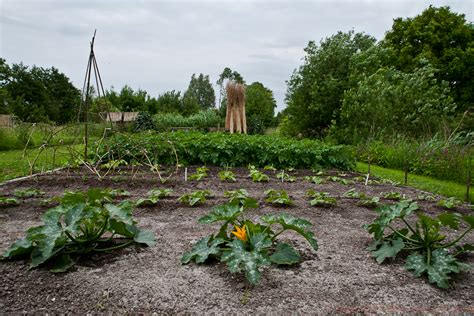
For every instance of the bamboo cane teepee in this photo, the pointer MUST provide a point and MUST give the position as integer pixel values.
(235, 120)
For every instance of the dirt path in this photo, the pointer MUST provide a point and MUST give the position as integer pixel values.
(341, 277)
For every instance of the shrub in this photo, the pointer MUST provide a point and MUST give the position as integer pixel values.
(226, 150)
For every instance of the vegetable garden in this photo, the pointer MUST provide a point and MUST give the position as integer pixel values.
(126, 233)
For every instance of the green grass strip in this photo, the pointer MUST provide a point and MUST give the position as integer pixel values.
(14, 164)
(441, 187)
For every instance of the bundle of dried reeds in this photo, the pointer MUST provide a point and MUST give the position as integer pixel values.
(235, 120)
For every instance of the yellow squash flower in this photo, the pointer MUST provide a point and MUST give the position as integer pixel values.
(240, 233)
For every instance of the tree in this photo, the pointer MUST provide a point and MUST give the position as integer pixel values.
(227, 74)
(37, 94)
(446, 40)
(391, 101)
(131, 101)
(316, 89)
(168, 102)
(259, 106)
(200, 92)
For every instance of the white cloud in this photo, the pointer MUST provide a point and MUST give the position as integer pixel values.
(158, 45)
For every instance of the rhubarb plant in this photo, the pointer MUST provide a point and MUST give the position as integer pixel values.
(422, 239)
(83, 223)
(246, 246)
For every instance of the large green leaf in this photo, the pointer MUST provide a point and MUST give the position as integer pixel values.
(298, 225)
(47, 238)
(388, 249)
(227, 212)
(63, 263)
(416, 262)
(285, 254)
(19, 248)
(121, 212)
(145, 237)
(73, 217)
(469, 219)
(441, 265)
(387, 213)
(203, 249)
(450, 219)
(239, 259)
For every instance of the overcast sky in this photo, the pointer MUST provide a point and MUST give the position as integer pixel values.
(158, 45)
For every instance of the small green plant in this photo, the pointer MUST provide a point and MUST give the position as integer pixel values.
(201, 173)
(279, 197)
(196, 197)
(26, 193)
(113, 164)
(246, 246)
(284, 176)
(428, 250)
(321, 199)
(314, 179)
(241, 197)
(227, 175)
(339, 180)
(450, 203)
(426, 197)
(257, 176)
(82, 223)
(270, 168)
(393, 195)
(7, 201)
(370, 202)
(119, 192)
(353, 194)
(153, 197)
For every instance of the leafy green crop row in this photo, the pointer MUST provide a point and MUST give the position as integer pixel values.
(225, 150)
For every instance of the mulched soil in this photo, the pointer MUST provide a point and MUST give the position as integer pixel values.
(341, 277)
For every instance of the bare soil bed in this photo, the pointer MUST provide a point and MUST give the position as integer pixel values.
(341, 277)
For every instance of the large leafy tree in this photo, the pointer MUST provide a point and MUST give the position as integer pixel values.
(316, 89)
(226, 75)
(38, 94)
(390, 102)
(200, 92)
(446, 40)
(170, 101)
(260, 104)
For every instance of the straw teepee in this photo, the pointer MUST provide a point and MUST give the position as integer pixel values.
(235, 120)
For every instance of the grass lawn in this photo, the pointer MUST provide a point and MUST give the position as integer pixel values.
(440, 187)
(14, 164)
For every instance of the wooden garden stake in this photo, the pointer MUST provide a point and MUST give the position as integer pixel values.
(185, 174)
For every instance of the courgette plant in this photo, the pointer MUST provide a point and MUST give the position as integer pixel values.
(237, 196)
(227, 175)
(257, 176)
(195, 197)
(428, 250)
(8, 201)
(153, 197)
(201, 173)
(246, 246)
(82, 223)
(321, 199)
(278, 197)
